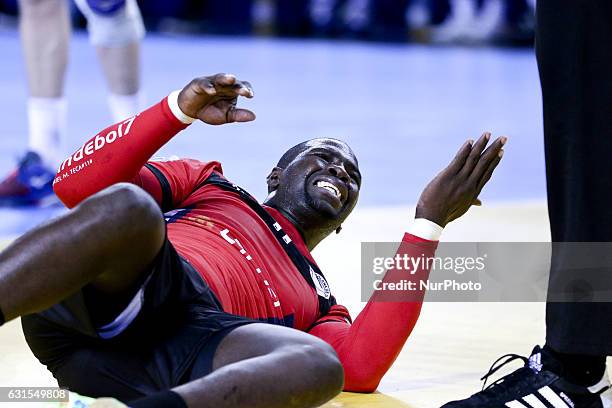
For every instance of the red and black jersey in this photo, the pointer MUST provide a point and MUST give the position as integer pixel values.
(234, 249)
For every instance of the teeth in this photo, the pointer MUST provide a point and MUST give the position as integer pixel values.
(329, 187)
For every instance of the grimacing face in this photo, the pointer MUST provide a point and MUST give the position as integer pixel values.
(320, 186)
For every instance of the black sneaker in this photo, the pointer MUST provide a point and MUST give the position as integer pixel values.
(535, 386)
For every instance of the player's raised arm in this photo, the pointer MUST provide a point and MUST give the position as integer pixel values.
(118, 152)
(369, 346)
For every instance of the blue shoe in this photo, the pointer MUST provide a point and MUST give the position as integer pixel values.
(31, 183)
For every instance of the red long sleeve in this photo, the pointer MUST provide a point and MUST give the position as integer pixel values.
(369, 346)
(116, 154)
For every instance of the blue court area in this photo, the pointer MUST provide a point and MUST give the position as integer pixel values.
(405, 109)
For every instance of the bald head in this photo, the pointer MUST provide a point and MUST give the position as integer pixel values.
(315, 185)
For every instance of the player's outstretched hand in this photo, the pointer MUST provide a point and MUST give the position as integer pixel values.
(213, 99)
(456, 188)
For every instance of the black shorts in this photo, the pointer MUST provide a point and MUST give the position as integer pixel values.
(165, 337)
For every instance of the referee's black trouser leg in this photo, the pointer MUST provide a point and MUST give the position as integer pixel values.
(574, 53)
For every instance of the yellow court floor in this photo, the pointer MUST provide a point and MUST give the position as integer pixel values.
(452, 345)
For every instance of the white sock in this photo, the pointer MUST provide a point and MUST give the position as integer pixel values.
(124, 106)
(47, 124)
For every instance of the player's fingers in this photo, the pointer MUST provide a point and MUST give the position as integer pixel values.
(204, 85)
(489, 172)
(247, 85)
(238, 88)
(240, 115)
(243, 88)
(210, 88)
(457, 163)
(224, 80)
(486, 158)
(472, 159)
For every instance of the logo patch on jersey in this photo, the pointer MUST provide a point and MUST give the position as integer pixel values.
(321, 284)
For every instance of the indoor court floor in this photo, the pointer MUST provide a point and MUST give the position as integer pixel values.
(404, 109)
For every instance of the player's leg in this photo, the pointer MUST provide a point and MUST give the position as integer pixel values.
(107, 241)
(180, 336)
(261, 365)
(45, 30)
(121, 66)
(116, 29)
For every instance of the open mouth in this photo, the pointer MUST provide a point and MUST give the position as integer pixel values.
(326, 185)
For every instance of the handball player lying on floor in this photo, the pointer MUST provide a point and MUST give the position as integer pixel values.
(167, 285)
